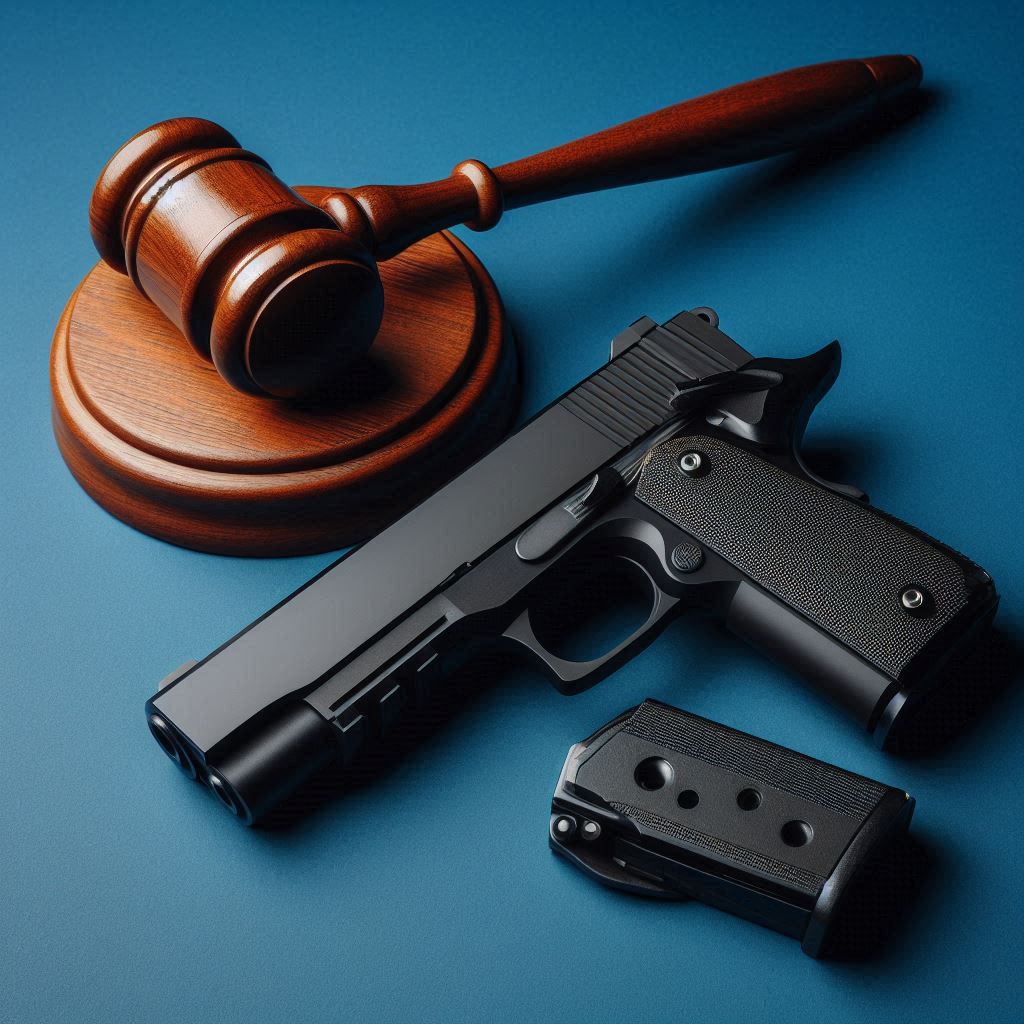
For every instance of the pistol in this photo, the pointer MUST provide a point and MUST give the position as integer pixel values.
(679, 462)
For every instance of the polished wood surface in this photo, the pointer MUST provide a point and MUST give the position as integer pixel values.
(743, 123)
(283, 302)
(149, 430)
(260, 281)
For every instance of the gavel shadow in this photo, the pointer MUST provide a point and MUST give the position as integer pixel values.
(746, 199)
(833, 158)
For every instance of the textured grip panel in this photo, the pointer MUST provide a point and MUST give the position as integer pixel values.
(663, 802)
(806, 881)
(839, 563)
(783, 769)
(713, 766)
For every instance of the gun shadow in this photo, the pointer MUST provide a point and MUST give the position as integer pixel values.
(971, 689)
(878, 909)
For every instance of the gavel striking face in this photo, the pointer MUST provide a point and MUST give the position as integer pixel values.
(282, 295)
(258, 280)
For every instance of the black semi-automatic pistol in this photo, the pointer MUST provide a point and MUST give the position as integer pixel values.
(679, 461)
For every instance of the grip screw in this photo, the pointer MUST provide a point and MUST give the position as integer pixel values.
(915, 601)
(692, 463)
(591, 830)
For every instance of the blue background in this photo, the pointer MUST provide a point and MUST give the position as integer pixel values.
(127, 894)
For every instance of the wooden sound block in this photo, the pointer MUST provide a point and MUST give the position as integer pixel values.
(155, 436)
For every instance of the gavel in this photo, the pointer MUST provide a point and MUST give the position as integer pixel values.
(283, 295)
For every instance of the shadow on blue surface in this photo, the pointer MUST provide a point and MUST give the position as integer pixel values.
(968, 693)
(427, 892)
(748, 201)
(787, 180)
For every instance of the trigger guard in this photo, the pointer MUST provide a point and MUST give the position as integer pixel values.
(575, 676)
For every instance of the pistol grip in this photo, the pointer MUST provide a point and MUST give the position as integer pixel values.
(865, 606)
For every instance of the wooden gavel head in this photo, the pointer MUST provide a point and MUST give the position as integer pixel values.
(282, 295)
(259, 281)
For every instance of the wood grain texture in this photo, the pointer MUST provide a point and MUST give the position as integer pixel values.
(742, 123)
(283, 302)
(149, 430)
(260, 281)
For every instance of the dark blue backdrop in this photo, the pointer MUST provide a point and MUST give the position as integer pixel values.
(432, 895)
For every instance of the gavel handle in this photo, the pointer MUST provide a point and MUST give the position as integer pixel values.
(737, 125)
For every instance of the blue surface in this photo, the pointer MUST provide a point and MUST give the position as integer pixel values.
(127, 894)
